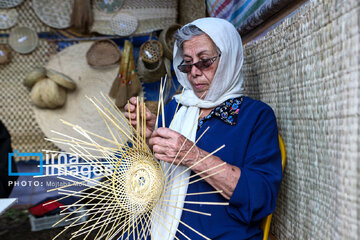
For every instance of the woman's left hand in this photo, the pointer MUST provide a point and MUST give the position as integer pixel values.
(168, 144)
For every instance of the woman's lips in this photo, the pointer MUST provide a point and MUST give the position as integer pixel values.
(199, 85)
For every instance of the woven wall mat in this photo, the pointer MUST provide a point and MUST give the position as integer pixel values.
(28, 18)
(15, 108)
(151, 15)
(307, 70)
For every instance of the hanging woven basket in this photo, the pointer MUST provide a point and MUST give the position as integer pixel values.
(167, 39)
(151, 51)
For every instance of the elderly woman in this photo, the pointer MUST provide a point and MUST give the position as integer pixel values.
(208, 57)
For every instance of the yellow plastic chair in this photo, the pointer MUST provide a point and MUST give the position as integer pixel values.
(265, 225)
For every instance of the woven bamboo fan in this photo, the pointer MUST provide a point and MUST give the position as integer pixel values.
(8, 18)
(23, 40)
(167, 39)
(103, 53)
(55, 13)
(9, 3)
(123, 24)
(109, 6)
(151, 51)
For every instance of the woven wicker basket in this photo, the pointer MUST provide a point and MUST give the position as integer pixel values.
(5, 54)
(167, 39)
(151, 51)
(8, 18)
(103, 53)
(149, 75)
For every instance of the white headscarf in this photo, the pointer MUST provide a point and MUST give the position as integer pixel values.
(226, 84)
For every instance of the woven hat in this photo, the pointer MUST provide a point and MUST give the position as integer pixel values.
(9, 3)
(5, 54)
(8, 18)
(77, 110)
(103, 53)
(54, 13)
(23, 40)
(167, 39)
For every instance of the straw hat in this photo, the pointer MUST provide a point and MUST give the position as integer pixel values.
(77, 110)
(8, 18)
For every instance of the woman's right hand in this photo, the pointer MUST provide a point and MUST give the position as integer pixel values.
(150, 117)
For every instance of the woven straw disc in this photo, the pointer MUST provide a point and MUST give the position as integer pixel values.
(77, 110)
(151, 51)
(23, 40)
(124, 24)
(142, 182)
(8, 18)
(55, 13)
(9, 3)
(109, 6)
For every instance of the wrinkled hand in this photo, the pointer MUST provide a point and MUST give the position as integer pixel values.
(150, 117)
(168, 144)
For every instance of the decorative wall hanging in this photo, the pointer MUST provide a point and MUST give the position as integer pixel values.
(8, 18)
(151, 16)
(55, 13)
(109, 6)
(23, 40)
(10, 3)
(123, 24)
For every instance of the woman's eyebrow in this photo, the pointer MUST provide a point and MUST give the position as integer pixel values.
(198, 54)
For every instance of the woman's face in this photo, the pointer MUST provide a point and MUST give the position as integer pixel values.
(194, 50)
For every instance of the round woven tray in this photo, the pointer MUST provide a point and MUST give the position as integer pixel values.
(54, 13)
(151, 51)
(23, 40)
(103, 53)
(167, 39)
(9, 3)
(124, 24)
(8, 18)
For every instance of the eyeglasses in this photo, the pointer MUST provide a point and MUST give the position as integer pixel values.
(201, 65)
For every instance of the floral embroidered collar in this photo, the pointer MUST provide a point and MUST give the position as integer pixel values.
(227, 111)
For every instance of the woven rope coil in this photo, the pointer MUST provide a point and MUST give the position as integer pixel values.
(307, 69)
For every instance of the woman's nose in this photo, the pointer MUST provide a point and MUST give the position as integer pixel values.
(195, 71)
